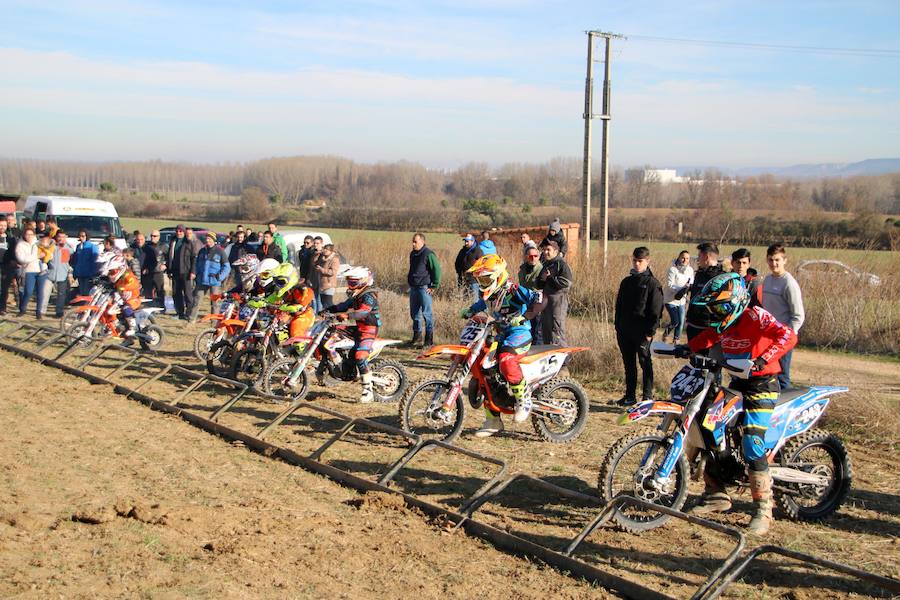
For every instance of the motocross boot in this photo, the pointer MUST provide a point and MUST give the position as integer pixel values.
(368, 389)
(492, 424)
(129, 333)
(761, 491)
(523, 401)
(714, 499)
(320, 373)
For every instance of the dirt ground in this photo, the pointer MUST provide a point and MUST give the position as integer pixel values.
(181, 513)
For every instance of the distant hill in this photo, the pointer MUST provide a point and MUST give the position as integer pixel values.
(870, 166)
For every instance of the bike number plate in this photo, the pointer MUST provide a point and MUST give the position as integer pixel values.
(470, 333)
(687, 382)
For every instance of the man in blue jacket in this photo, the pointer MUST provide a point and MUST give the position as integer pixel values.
(211, 269)
(84, 263)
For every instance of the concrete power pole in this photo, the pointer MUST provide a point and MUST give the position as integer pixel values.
(605, 116)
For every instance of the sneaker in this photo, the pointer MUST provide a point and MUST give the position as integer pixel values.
(490, 426)
(523, 409)
(626, 401)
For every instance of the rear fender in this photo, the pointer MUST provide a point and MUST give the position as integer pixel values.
(799, 415)
(448, 349)
(543, 355)
(650, 407)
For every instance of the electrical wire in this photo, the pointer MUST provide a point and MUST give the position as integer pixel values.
(868, 52)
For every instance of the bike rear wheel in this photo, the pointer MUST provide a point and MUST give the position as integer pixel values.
(390, 379)
(419, 413)
(628, 469)
(820, 453)
(568, 396)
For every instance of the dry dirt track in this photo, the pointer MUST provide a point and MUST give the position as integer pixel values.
(214, 498)
(183, 514)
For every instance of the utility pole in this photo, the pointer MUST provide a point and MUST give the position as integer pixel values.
(605, 116)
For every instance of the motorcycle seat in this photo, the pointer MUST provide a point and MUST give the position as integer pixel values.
(542, 348)
(789, 394)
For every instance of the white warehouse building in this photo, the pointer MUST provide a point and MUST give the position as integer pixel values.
(662, 176)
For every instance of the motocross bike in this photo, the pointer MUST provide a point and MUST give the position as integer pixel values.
(330, 344)
(703, 423)
(100, 288)
(103, 322)
(228, 322)
(254, 350)
(220, 354)
(435, 408)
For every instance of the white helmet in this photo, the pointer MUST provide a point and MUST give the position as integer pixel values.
(358, 279)
(103, 262)
(115, 267)
(247, 266)
(264, 272)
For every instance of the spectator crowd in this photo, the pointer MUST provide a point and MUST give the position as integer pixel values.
(37, 261)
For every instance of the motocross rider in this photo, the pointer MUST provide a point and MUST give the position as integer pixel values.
(279, 287)
(513, 306)
(362, 307)
(721, 310)
(246, 269)
(127, 292)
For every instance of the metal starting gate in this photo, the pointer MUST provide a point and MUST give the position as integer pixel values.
(37, 343)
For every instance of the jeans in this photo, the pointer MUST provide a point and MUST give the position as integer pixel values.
(34, 282)
(183, 294)
(636, 346)
(62, 295)
(84, 286)
(537, 331)
(420, 304)
(676, 316)
(784, 378)
(326, 301)
(200, 290)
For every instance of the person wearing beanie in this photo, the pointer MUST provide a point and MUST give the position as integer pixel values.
(555, 234)
(468, 254)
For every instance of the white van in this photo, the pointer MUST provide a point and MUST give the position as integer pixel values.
(98, 217)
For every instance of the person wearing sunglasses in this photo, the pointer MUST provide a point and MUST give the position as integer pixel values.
(528, 276)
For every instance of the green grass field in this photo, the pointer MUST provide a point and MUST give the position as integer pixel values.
(661, 252)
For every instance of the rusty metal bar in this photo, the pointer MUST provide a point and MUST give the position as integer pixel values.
(724, 580)
(351, 425)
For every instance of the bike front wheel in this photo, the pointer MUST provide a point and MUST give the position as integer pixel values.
(422, 413)
(276, 380)
(629, 469)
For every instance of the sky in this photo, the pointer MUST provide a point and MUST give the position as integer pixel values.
(448, 82)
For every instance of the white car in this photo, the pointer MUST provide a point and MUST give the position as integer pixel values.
(829, 267)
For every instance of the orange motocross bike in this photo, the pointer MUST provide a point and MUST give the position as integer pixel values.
(435, 407)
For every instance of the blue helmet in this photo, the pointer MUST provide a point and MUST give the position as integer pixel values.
(722, 301)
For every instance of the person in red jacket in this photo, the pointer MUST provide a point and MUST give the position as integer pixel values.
(721, 309)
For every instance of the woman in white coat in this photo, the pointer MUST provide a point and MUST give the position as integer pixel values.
(678, 282)
(31, 268)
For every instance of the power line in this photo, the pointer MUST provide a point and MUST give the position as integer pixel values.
(871, 52)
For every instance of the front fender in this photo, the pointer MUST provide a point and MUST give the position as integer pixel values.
(88, 308)
(645, 409)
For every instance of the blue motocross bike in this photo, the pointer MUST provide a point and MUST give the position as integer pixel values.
(703, 422)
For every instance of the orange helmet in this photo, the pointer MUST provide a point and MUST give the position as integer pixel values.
(490, 273)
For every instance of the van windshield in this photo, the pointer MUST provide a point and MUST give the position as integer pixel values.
(96, 227)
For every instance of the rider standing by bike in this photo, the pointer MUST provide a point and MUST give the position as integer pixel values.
(513, 306)
(362, 307)
(721, 311)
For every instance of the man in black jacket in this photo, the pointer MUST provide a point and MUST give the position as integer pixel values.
(555, 234)
(182, 257)
(146, 257)
(468, 254)
(268, 248)
(707, 267)
(554, 281)
(639, 305)
(8, 265)
(161, 252)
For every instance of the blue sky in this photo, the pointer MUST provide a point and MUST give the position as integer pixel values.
(444, 83)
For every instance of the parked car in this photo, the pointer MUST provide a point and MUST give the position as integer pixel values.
(834, 268)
